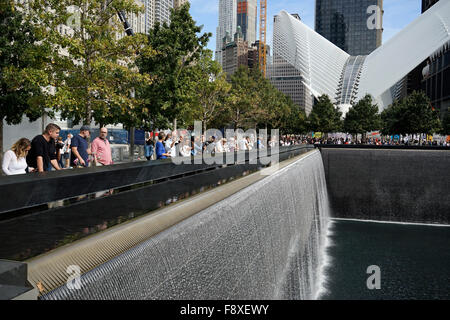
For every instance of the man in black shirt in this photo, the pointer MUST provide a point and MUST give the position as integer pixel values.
(43, 152)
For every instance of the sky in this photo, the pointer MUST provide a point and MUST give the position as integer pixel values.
(397, 15)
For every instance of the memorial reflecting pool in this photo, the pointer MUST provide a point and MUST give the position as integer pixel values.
(414, 260)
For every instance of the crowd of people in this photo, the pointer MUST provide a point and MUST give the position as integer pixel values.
(171, 145)
(404, 141)
(48, 151)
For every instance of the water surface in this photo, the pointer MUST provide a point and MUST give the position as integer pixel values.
(414, 260)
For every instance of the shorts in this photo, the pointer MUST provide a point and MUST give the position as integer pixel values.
(66, 155)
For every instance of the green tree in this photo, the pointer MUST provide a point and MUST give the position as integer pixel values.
(272, 106)
(209, 89)
(242, 100)
(178, 47)
(422, 118)
(23, 61)
(254, 102)
(93, 63)
(363, 117)
(294, 122)
(393, 119)
(325, 117)
(412, 115)
(446, 124)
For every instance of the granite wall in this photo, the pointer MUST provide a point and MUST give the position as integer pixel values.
(389, 184)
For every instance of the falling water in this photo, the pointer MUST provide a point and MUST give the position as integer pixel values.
(264, 242)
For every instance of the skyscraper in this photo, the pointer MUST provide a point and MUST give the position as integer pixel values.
(353, 26)
(234, 53)
(179, 3)
(247, 11)
(158, 11)
(149, 14)
(227, 24)
(162, 10)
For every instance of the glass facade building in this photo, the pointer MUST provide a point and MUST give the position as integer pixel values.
(436, 80)
(355, 26)
(436, 74)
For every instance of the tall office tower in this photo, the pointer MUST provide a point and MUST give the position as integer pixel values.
(353, 26)
(162, 10)
(179, 3)
(283, 75)
(227, 24)
(247, 12)
(234, 53)
(149, 15)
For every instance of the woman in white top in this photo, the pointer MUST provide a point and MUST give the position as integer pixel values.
(219, 146)
(185, 149)
(14, 160)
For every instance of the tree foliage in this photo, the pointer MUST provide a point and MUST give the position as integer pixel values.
(24, 59)
(411, 115)
(93, 63)
(325, 117)
(446, 124)
(242, 99)
(209, 91)
(363, 117)
(178, 47)
(254, 102)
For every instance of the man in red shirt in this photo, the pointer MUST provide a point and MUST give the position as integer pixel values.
(101, 149)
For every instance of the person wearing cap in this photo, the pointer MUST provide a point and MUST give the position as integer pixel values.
(80, 148)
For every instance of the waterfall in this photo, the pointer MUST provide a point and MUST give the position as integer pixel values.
(264, 242)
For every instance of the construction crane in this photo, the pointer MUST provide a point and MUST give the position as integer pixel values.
(262, 36)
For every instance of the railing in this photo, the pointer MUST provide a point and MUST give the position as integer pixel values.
(39, 212)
